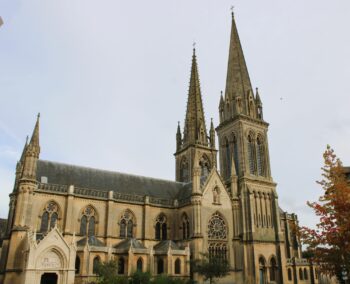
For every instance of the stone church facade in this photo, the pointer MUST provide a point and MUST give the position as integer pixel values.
(64, 219)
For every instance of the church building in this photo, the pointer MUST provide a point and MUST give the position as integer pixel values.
(65, 219)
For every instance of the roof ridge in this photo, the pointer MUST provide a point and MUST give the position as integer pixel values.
(113, 172)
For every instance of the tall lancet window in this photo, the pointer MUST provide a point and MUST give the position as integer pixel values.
(88, 222)
(49, 217)
(127, 225)
(185, 227)
(205, 167)
(161, 228)
(251, 154)
(227, 158)
(235, 154)
(184, 170)
(260, 157)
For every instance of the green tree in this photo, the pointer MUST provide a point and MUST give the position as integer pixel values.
(329, 243)
(211, 267)
(107, 273)
(139, 277)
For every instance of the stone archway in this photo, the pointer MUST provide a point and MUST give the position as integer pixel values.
(50, 263)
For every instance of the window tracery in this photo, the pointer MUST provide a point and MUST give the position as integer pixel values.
(235, 154)
(260, 157)
(49, 217)
(88, 222)
(127, 225)
(161, 227)
(205, 166)
(184, 170)
(227, 157)
(185, 227)
(217, 229)
(251, 154)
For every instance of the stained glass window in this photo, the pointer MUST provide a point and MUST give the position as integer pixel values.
(161, 227)
(49, 217)
(127, 225)
(88, 222)
(217, 229)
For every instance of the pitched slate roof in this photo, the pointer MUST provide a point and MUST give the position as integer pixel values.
(165, 245)
(84, 177)
(126, 244)
(92, 240)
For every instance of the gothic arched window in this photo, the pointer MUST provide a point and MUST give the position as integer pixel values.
(184, 170)
(262, 270)
(95, 265)
(177, 266)
(217, 237)
(205, 166)
(251, 154)
(227, 157)
(260, 157)
(273, 269)
(49, 217)
(121, 265)
(290, 277)
(139, 264)
(127, 225)
(185, 227)
(77, 265)
(161, 227)
(235, 154)
(160, 266)
(306, 276)
(88, 222)
(301, 274)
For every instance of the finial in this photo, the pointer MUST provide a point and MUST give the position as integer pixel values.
(38, 116)
(194, 48)
(232, 13)
(211, 119)
(221, 92)
(27, 139)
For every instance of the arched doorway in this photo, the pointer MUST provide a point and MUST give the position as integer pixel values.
(49, 278)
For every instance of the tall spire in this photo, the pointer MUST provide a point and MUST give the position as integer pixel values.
(195, 130)
(34, 141)
(237, 82)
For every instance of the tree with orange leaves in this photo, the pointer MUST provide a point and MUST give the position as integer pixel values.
(329, 243)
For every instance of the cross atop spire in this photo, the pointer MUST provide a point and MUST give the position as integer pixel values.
(194, 129)
(237, 81)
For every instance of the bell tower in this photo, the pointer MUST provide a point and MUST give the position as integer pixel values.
(194, 149)
(242, 131)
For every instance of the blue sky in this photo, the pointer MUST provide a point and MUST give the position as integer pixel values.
(110, 79)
